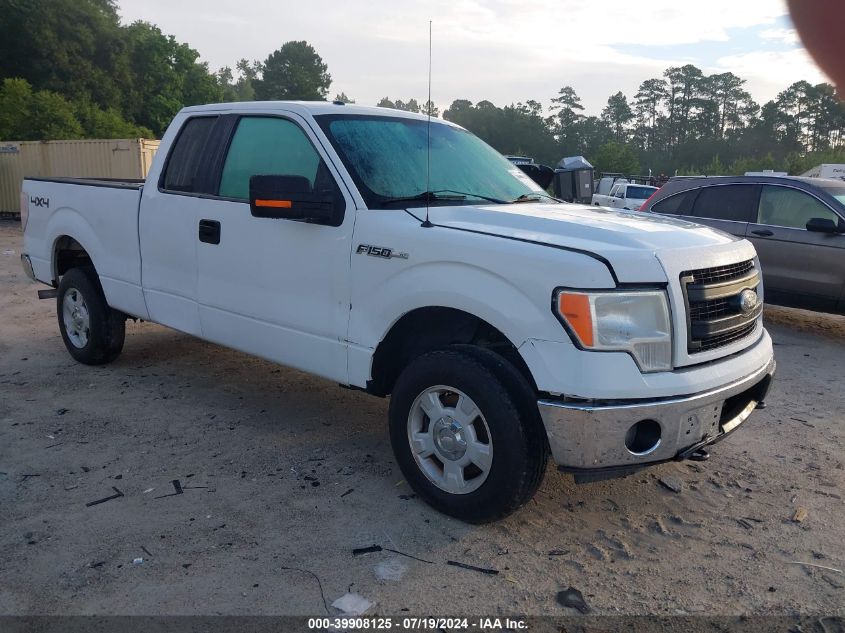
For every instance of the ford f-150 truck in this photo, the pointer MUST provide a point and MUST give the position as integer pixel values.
(409, 259)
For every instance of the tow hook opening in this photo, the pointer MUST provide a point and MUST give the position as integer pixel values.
(643, 437)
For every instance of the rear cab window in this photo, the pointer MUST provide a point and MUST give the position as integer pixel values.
(186, 168)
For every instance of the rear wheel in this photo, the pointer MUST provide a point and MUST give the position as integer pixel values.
(465, 436)
(93, 333)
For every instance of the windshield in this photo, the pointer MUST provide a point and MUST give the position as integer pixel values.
(386, 157)
(640, 193)
(837, 192)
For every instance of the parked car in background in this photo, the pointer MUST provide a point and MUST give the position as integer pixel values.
(796, 224)
(624, 195)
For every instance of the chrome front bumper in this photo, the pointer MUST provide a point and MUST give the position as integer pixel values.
(591, 437)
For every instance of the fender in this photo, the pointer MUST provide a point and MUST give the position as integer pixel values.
(517, 312)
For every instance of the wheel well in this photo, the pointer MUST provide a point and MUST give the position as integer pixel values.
(69, 254)
(426, 329)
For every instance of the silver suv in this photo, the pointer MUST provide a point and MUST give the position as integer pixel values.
(796, 224)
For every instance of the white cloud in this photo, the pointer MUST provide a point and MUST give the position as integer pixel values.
(501, 50)
(784, 36)
(769, 72)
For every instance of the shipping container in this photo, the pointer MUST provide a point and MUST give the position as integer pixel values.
(91, 158)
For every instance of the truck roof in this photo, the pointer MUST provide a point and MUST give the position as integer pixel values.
(309, 107)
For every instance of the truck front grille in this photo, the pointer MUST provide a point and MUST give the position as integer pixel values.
(716, 315)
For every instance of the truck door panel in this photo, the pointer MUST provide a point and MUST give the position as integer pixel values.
(275, 288)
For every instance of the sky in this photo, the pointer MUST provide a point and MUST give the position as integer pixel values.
(504, 51)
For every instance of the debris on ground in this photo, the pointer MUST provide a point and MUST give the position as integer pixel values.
(61, 411)
(177, 486)
(137, 561)
(800, 515)
(319, 584)
(366, 550)
(481, 570)
(350, 491)
(117, 494)
(391, 569)
(558, 552)
(671, 483)
(573, 599)
(798, 562)
(352, 604)
(396, 551)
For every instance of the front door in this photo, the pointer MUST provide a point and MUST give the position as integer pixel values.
(800, 268)
(275, 288)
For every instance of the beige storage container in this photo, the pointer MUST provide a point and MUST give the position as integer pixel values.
(90, 158)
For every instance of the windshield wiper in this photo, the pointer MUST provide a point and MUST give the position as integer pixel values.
(437, 196)
(533, 197)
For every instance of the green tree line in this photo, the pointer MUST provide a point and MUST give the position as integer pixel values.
(684, 121)
(71, 69)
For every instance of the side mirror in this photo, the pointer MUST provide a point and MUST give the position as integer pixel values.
(822, 225)
(289, 198)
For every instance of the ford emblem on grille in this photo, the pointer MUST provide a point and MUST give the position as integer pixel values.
(748, 300)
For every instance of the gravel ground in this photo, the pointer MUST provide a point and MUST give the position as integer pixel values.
(284, 474)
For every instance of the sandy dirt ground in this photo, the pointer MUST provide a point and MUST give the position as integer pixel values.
(284, 474)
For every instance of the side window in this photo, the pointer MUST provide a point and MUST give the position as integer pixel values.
(188, 157)
(679, 204)
(727, 202)
(784, 206)
(614, 191)
(265, 146)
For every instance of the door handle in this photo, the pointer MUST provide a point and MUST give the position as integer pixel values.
(763, 232)
(209, 231)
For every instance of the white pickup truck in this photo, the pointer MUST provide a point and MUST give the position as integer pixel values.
(505, 326)
(624, 195)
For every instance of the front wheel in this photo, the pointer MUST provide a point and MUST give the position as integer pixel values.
(465, 436)
(93, 333)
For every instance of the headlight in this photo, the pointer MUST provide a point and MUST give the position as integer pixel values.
(635, 322)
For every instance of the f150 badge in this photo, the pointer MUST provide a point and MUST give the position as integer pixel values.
(380, 251)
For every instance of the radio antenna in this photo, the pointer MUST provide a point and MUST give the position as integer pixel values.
(427, 223)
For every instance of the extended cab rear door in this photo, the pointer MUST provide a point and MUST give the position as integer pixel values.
(171, 207)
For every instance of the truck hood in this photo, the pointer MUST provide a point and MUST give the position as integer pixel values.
(637, 245)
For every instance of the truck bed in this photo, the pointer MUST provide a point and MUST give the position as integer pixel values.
(100, 214)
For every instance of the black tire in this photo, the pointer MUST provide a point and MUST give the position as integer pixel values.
(509, 407)
(106, 327)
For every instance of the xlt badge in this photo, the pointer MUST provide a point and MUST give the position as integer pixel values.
(379, 251)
